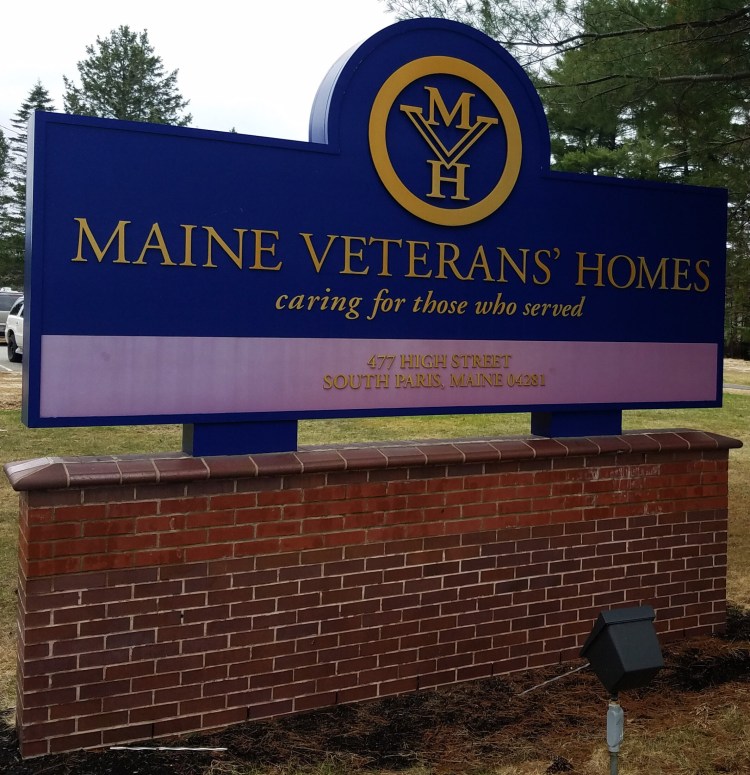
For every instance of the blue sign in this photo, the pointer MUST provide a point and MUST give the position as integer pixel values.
(416, 256)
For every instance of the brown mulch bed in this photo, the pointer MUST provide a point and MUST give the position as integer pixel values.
(462, 728)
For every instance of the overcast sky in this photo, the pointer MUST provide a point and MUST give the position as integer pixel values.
(254, 66)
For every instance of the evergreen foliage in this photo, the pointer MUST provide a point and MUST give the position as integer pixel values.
(123, 78)
(13, 206)
(4, 151)
(4, 205)
(38, 99)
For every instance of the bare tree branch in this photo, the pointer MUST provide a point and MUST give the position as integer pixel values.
(702, 78)
(585, 37)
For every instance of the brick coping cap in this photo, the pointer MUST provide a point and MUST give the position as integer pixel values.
(53, 473)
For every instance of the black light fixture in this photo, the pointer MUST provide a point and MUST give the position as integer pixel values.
(623, 651)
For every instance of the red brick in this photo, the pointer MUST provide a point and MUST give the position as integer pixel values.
(72, 742)
(54, 567)
(160, 557)
(279, 497)
(270, 709)
(103, 721)
(58, 601)
(131, 733)
(109, 527)
(75, 709)
(103, 657)
(222, 688)
(233, 501)
(59, 532)
(182, 538)
(154, 523)
(182, 505)
(77, 677)
(31, 748)
(105, 690)
(117, 511)
(152, 713)
(365, 586)
(52, 633)
(33, 715)
(78, 646)
(222, 718)
(80, 513)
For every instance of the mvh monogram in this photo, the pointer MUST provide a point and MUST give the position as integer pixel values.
(446, 167)
(449, 127)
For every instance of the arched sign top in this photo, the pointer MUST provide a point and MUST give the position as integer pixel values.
(469, 89)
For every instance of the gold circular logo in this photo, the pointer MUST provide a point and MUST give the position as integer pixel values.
(444, 156)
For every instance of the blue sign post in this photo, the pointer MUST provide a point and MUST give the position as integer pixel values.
(416, 256)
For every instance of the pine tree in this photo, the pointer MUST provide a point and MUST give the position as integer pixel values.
(4, 174)
(38, 99)
(15, 216)
(5, 199)
(4, 151)
(123, 78)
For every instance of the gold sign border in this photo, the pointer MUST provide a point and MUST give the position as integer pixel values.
(381, 108)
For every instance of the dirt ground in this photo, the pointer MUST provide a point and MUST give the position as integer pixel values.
(473, 727)
(736, 364)
(10, 390)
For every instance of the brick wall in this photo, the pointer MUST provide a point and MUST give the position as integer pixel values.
(160, 595)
